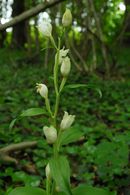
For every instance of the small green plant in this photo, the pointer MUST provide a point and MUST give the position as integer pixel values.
(57, 170)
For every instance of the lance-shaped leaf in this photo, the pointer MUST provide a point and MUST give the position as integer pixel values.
(27, 191)
(70, 135)
(27, 113)
(33, 112)
(89, 86)
(60, 172)
(90, 190)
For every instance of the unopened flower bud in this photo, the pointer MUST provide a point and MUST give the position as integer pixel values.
(46, 28)
(50, 134)
(48, 172)
(67, 121)
(42, 89)
(67, 18)
(62, 54)
(65, 67)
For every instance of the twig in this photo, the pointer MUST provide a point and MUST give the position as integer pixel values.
(29, 13)
(5, 151)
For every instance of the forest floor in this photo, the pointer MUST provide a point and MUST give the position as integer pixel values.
(101, 158)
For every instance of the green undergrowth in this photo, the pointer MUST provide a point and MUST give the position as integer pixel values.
(99, 158)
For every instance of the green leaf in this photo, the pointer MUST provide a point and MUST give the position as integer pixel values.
(27, 191)
(28, 180)
(70, 135)
(111, 157)
(60, 171)
(89, 190)
(99, 92)
(46, 48)
(27, 113)
(73, 86)
(12, 123)
(33, 112)
(89, 86)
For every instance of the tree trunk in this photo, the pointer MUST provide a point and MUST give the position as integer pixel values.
(37, 41)
(2, 33)
(19, 34)
(125, 38)
(100, 33)
(2, 38)
(93, 65)
(30, 13)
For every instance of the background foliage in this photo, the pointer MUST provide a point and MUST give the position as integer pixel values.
(99, 52)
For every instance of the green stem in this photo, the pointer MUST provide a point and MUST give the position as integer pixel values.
(58, 98)
(62, 84)
(48, 106)
(55, 150)
(58, 140)
(53, 42)
(56, 105)
(56, 68)
(56, 81)
(57, 94)
(47, 186)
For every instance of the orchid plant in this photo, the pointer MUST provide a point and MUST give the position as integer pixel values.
(57, 170)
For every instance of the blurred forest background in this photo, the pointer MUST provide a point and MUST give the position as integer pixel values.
(99, 43)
